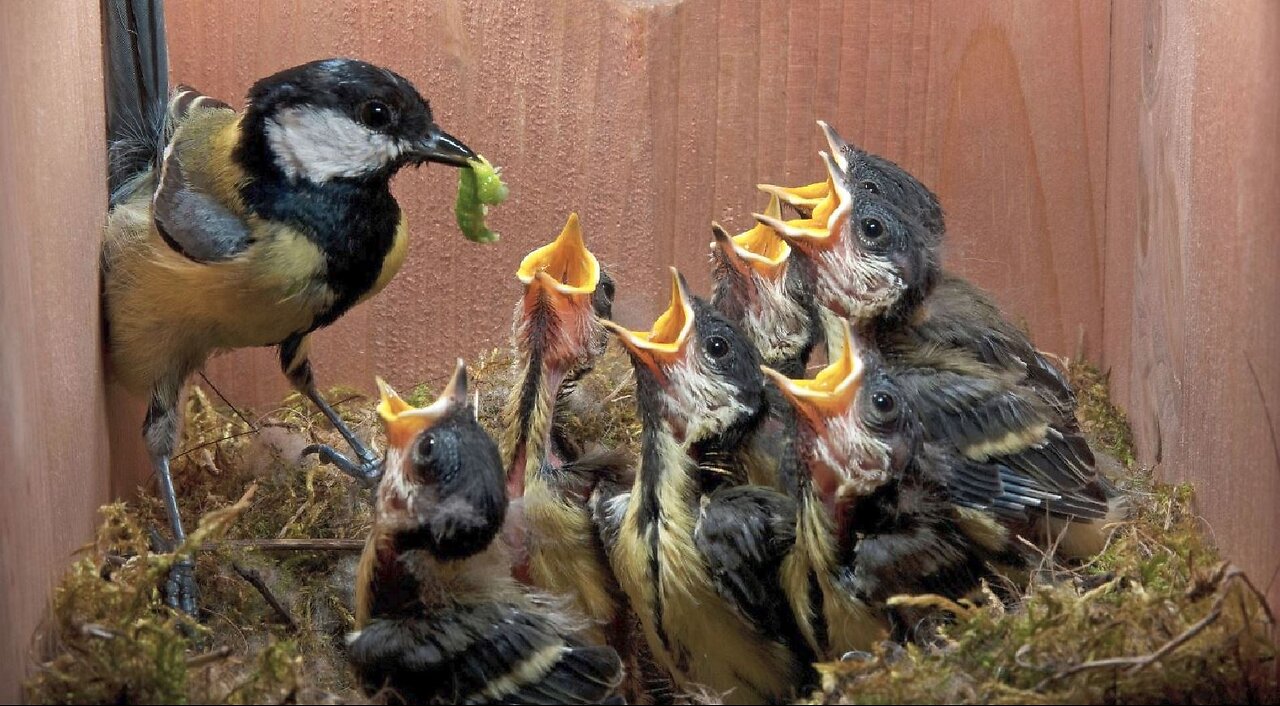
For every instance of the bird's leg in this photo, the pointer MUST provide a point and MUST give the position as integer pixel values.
(160, 431)
(367, 468)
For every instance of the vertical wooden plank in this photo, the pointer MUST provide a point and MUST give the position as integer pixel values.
(1205, 228)
(1128, 29)
(53, 439)
(1018, 158)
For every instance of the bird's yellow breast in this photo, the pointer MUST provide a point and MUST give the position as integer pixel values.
(706, 643)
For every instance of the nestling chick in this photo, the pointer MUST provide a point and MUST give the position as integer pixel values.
(878, 267)
(935, 306)
(558, 335)
(763, 290)
(439, 619)
(882, 512)
(231, 230)
(699, 559)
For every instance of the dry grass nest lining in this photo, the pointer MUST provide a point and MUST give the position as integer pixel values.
(1157, 617)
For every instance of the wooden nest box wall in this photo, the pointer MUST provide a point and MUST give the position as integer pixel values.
(1110, 171)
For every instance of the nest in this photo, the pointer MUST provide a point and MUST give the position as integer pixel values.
(1158, 616)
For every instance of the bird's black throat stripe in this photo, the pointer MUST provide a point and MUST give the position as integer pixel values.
(352, 221)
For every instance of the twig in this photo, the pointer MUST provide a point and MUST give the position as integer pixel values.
(98, 631)
(290, 545)
(223, 397)
(214, 442)
(255, 579)
(208, 657)
(1135, 664)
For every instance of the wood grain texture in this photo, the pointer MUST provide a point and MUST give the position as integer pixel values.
(1194, 244)
(53, 440)
(1109, 168)
(653, 119)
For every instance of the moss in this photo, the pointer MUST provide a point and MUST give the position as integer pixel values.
(1108, 631)
(1106, 424)
(109, 637)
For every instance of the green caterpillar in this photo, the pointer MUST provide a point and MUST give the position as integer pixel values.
(479, 187)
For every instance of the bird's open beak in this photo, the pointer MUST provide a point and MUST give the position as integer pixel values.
(440, 146)
(557, 318)
(662, 345)
(404, 422)
(828, 395)
(564, 265)
(824, 225)
(758, 250)
(832, 390)
(804, 198)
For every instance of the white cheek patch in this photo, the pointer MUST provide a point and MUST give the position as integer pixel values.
(396, 495)
(857, 284)
(697, 399)
(777, 324)
(851, 450)
(321, 143)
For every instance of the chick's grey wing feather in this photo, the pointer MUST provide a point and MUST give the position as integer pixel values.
(743, 534)
(1011, 452)
(487, 653)
(193, 222)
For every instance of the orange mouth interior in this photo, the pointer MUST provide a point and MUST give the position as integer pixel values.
(807, 196)
(829, 212)
(761, 246)
(833, 389)
(566, 261)
(671, 329)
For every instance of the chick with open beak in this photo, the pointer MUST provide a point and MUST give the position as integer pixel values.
(877, 263)
(697, 553)
(766, 292)
(933, 306)
(439, 619)
(558, 335)
(878, 511)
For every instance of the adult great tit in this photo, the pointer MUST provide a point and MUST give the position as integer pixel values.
(228, 230)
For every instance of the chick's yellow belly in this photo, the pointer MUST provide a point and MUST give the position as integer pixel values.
(167, 313)
(697, 637)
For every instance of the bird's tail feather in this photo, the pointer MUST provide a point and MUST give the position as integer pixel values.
(137, 91)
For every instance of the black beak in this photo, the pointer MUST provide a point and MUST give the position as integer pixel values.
(440, 146)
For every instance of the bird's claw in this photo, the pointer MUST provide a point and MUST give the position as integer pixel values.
(180, 590)
(367, 472)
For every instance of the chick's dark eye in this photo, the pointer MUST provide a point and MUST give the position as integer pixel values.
(717, 347)
(884, 403)
(426, 447)
(870, 186)
(872, 228)
(375, 114)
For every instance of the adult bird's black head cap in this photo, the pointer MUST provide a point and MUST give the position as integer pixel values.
(443, 488)
(342, 119)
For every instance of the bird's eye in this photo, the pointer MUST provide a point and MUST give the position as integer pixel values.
(717, 347)
(872, 229)
(870, 186)
(375, 114)
(885, 403)
(426, 448)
